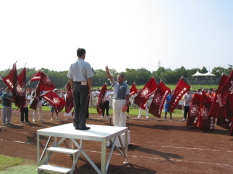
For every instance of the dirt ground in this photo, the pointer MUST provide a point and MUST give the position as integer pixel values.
(157, 146)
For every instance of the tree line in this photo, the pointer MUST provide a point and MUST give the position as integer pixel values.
(140, 76)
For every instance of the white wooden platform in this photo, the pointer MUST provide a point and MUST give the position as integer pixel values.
(98, 133)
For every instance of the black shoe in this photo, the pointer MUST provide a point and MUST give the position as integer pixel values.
(22, 122)
(28, 122)
(85, 128)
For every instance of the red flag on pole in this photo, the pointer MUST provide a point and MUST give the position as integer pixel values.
(227, 88)
(36, 99)
(45, 84)
(214, 110)
(206, 122)
(194, 111)
(145, 93)
(158, 100)
(69, 98)
(54, 100)
(36, 76)
(21, 87)
(181, 88)
(100, 103)
(133, 89)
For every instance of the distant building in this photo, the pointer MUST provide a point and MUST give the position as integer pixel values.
(203, 79)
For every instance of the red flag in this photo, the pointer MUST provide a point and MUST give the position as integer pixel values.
(11, 81)
(133, 89)
(36, 99)
(21, 87)
(158, 100)
(214, 110)
(36, 76)
(206, 122)
(45, 84)
(181, 88)
(145, 93)
(227, 88)
(69, 98)
(194, 110)
(100, 103)
(54, 100)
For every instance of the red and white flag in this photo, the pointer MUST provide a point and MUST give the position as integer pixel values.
(54, 100)
(21, 87)
(206, 122)
(227, 88)
(181, 88)
(45, 84)
(145, 93)
(133, 89)
(158, 100)
(217, 103)
(11, 81)
(100, 103)
(69, 98)
(36, 76)
(194, 111)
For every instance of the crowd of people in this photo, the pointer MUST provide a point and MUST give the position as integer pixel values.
(6, 101)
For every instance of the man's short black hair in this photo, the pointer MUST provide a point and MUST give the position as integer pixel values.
(81, 52)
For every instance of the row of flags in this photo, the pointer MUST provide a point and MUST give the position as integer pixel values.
(44, 89)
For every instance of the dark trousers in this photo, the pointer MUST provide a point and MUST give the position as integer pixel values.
(24, 112)
(80, 96)
(106, 107)
(186, 111)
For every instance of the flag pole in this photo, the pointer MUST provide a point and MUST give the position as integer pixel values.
(182, 77)
(8, 68)
(22, 69)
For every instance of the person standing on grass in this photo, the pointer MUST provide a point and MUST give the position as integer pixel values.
(187, 103)
(24, 110)
(6, 107)
(167, 104)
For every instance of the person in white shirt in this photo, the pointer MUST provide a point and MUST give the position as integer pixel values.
(187, 102)
(24, 109)
(106, 104)
(80, 77)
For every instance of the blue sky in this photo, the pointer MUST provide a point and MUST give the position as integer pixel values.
(121, 34)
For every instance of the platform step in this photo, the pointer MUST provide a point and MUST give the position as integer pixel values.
(62, 150)
(54, 168)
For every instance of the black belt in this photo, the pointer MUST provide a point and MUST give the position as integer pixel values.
(119, 98)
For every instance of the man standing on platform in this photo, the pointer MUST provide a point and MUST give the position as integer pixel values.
(121, 95)
(80, 75)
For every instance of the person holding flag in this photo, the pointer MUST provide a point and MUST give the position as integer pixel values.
(167, 104)
(6, 107)
(121, 93)
(187, 101)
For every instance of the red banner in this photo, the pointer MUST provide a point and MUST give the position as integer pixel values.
(54, 100)
(21, 88)
(100, 103)
(206, 122)
(36, 76)
(214, 110)
(45, 84)
(181, 88)
(194, 111)
(158, 100)
(145, 93)
(133, 89)
(227, 88)
(69, 98)
(11, 81)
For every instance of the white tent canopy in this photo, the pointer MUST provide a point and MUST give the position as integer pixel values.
(203, 74)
